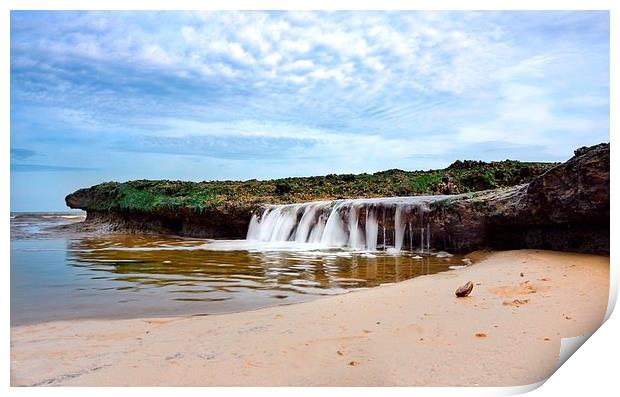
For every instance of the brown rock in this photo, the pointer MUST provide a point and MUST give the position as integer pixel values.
(565, 209)
(464, 290)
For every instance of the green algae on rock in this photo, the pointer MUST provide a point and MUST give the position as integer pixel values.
(165, 196)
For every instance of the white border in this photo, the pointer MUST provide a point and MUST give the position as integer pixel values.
(594, 367)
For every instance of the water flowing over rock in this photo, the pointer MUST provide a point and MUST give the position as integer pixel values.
(566, 208)
(353, 224)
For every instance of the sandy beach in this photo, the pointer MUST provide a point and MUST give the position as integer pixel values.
(413, 333)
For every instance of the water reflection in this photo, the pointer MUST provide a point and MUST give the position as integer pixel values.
(192, 270)
(57, 275)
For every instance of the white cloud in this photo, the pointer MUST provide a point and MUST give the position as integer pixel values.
(526, 114)
(233, 50)
(272, 59)
(295, 46)
(300, 65)
(253, 36)
(189, 34)
(156, 55)
(428, 50)
(374, 63)
(334, 146)
(418, 82)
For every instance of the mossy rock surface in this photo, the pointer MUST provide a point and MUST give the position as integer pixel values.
(165, 196)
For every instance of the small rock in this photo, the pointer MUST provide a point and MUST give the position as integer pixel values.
(481, 335)
(464, 290)
(546, 339)
(521, 274)
(353, 363)
(339, 353)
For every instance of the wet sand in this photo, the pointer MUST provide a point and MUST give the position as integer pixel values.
(413, 333)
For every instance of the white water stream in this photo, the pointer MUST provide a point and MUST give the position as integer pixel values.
(352, 224)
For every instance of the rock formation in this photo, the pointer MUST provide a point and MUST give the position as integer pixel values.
(564, 208)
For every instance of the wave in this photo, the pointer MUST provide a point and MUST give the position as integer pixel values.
(63, 216)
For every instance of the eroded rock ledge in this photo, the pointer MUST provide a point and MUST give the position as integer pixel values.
(566, 208)
(562, 207)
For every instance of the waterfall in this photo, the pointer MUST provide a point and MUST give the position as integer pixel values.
(317, 231)
(350, 224)
(336, 232)
(410, 236)
(399, 227)
(372, 229)
(384, 235)
(308, 219)
(356, 236)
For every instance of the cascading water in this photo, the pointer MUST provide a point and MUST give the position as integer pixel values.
(351, 224)
(399, 227)
(372, 229)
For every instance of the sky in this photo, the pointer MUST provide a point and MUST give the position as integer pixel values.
(102, 96)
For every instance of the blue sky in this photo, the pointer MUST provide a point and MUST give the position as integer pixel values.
(99, 96)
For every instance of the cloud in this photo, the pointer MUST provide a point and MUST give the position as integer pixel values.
(223, 147)
(342, 45)
(318, 92)
(528, 114)
(46, 168)
(283, 143)
(22, 154)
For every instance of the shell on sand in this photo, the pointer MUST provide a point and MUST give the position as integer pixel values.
(464, 290)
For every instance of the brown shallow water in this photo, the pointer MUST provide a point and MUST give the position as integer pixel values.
(59, 276)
